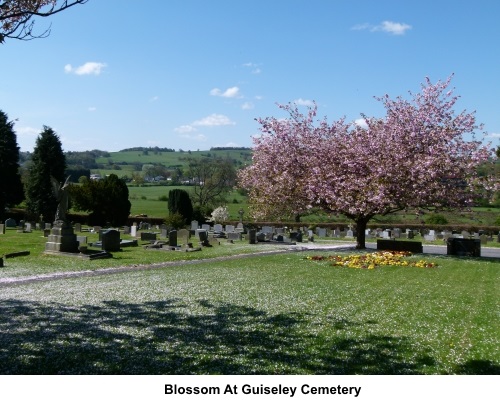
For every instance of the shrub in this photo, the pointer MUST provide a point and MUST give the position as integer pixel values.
(175, 220)
(436, 219)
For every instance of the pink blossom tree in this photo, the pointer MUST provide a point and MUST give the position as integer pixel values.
(415, 157)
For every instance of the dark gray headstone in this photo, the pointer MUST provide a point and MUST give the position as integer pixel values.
(172, 238)
(148, 236)
(10, 223)
(110, 240)
(252, 236)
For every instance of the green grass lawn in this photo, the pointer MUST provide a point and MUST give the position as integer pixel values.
(273, 314)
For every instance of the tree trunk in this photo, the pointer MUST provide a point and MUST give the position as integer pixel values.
(361, 230)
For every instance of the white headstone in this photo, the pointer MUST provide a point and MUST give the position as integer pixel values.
(133, 230)
(194, 225)
(218, 228)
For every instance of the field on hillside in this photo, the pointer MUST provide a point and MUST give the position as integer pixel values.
(131, 161)
(146, 200)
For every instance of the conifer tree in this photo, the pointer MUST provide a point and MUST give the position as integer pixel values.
(11, 189)
(179, 202)
(48, 161)
(106, 200)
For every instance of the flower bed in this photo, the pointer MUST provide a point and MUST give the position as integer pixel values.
(372, 260)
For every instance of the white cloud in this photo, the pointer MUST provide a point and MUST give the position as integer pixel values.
(92, 109)
(89, 68)
(231, 92)
(214, 120)
(391, 27)
(155, 98)
(27, 131)
(493, 135)
(195, 137)
(185, 129)
(394, 27)
(301, 101)
(247, 106)
(361, 122)
(254, 66)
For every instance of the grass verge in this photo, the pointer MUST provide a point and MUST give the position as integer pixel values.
(276, 314)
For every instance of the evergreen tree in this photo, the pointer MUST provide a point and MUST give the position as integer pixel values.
(48, 161)
(106, 200)
(11, 189)
(179, 202)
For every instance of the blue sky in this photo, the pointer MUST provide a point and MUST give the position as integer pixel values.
(193, 74)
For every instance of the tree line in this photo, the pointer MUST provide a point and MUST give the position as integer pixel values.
(106, 200)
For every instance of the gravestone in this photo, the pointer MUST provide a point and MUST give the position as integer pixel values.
(183, 236)
(48, 225)
(10, 223)
(447, 235)
(111, 240)
(484, 239)
(163, 233)
(229, 228)
(349, 234)
(321, 232)
(261, 237)
(27, 227)
(252, 236)
(239, 227)
(463, 247)
(430, 237)
(391, 244)
(267, 229)
(62, 239)
(233, 236)
(194, 225)
(218, 228)
(202, 235)
(126, 230)
(78, 227)
(2, 229)
(336, 233)
(82, 240)
(172, 238)
(148, 236)
(133, 231)
(396, 233)
(206, 227)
